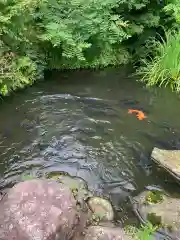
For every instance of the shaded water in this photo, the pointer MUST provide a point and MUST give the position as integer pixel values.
(79, 123)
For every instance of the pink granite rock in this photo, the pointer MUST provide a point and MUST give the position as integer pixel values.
(39, 210)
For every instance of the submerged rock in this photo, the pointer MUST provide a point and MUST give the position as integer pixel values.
(168, 160)
(101, 208)
(105, 233)
(39, 209)
(161, 210)
(118, 191)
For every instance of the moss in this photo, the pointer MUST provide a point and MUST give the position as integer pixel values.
(175, 195)
(131, 230)
(95, 219)
(154, 219)
(157, 221)
(169, 227)
(153, 197)
(56, 175)
(27, 177)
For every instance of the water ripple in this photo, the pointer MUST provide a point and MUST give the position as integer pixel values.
(90, 135)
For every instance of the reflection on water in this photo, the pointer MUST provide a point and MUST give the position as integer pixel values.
(79, 123)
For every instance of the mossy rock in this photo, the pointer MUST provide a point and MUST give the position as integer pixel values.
(153, 197)
(77, 185)
(161, 210)
(101, 208)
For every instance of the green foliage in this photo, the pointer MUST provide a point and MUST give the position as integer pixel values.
(143, 233)
(143, 18)
(70, 34)
(161, 65)
(164, 68)
(16, 71)
(83, 33)
(172, 9)
(19, 57)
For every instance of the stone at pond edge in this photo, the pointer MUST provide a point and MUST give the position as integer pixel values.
(165, 212)
(77, 185)
(105, 233)
(168, 160)
(102, 208)
(39, 209)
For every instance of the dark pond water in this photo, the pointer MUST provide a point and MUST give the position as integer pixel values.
(79, 123)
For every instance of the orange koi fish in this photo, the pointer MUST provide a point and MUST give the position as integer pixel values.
(139, 114)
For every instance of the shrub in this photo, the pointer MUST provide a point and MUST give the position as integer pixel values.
(82, 33)
(70, 34)
(172, 9)
(19, 53)
(16, 72)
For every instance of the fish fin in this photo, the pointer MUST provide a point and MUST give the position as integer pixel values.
(130, 110)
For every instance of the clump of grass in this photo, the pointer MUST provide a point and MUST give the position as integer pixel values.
(143, 233)
(164, 68)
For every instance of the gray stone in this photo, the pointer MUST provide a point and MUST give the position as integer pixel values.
(39, 210)
(165, 212)
(168, 160)
(101, 208)
(105, 233)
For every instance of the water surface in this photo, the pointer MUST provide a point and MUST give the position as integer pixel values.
(78, 122)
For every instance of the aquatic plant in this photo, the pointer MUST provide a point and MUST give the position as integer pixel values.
(154, 219)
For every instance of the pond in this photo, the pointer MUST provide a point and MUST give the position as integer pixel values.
(78, 122)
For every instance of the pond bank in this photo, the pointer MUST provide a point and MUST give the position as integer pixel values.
(48, 210)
